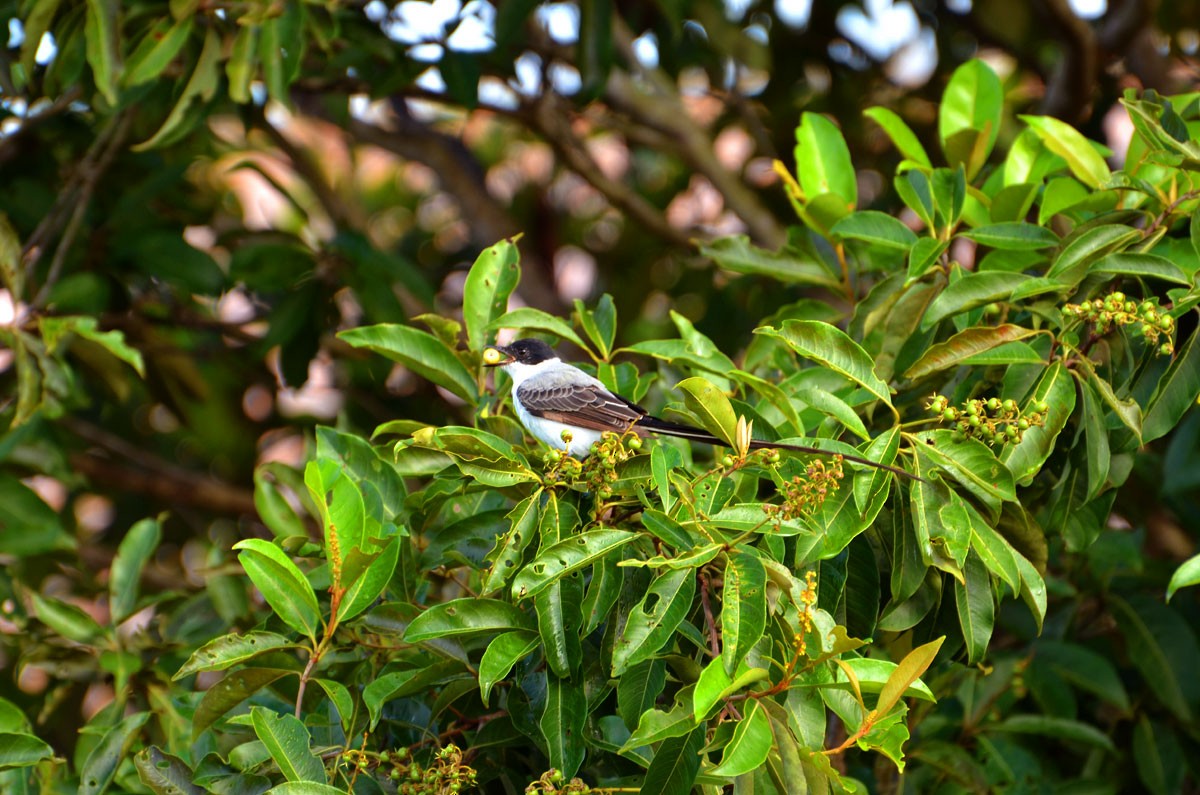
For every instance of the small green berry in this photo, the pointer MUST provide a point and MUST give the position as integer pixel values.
(1041, 407)
(773, 457)
(1148, 330)
(1023, 424)
(635, 443)
(1166, 349)
(972, 409)
(973, 421)
(1011, 430)
(1010, 405)
(993, 404)
(727, 461)
(950, 414)
(1166, 322)
(1118, 296)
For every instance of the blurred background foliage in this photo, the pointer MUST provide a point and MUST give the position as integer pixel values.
(229, 184)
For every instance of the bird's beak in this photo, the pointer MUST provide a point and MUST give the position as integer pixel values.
(496, 356)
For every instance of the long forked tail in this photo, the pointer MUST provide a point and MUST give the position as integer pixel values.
(656, 425)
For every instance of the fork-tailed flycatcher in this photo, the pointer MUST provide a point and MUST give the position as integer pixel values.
(551, 396)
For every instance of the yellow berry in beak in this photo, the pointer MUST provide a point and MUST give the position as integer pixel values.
(492, 356)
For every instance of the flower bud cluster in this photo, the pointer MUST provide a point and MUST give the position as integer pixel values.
(553, 782)
(802, 496)
(599, 470)
(993, 421)
(1118, 310)
(447, 774)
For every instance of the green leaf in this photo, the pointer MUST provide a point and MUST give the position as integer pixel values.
(54, 329)
(420, 352)
(241, 68)
(479, 455)
(1062, 729)
(871, 676)
(367, 585)
(1187, 575)
(829, 346)
(1025, 459)
(834, 406)
(1141, 265)
(970, 291)
(505, 557)
(1033, 590)
(134, 552)
(66, 619)
(569, 555)
(751, 742)
(908, 671)
(1177, 391)
(289, 744)
(101, 31)
(282, 584)
(22, 750)
(877, 228)
(1073, 261)
(490, 282)
(229, 650)
(972, 464)
(711, 406)
(304, 788)
(343, 702)
(501, 655)
(736, 253)
(655, 618)
(923, 256)
(1096, 437)
(560, 616)
(529, 319)
(600, 324)
(714, 685)
(1163, 648)
(675, 765)
(1159, 757)
(743, 607)
(1013, 236)
(655, 725)
(399, 684)
(823, 161)
(976, 608)
(157, 49)
(106, 755)
(232, 690)
(1062, 139)
(202, 85)
(901, 134)
(963, 345)
(916, 191)
(969, 115)
(1084, 668)
(467, 616)
(562, 724)
(28, 526)
(638, 690)
(165, 774)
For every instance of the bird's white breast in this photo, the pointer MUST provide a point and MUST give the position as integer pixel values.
(548, 431)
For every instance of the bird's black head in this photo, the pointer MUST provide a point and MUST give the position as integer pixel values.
(526, 351)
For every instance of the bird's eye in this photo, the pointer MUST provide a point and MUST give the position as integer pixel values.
(492, 356)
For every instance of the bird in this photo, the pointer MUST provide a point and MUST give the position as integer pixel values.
(551, 397)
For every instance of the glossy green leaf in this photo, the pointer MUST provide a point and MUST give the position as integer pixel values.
(559, 609)
(871, 676)
(1062, 139)
(1177, 391)
(134, 552)
(22, 750)
(1100, 241)
(823, 160)
(366, 586)
(880, 229)
(562, 724)
(304, 788)
(490, 282)
(924, 256)
(1052, 728)
(714, 685)
(510, 547)
(675, 765)
(232, 690)
(600, 323)
(527, 318)
(569, 555)
(711, 406)
(165, 774)
(505, 651)
(976, 608)
(750, 744)
(102, 761)
(1187, 575)
(971, 291)
(103, 45)
(963, 345)
(1148, 266)
(479, 455)
(229, 650)
(66, 619)
(638, 689)
(281, 583)
(467, 616)
(654, 725)
(242, 66)
(831, 347)
(54, 329)
(1085, 669)
(1163, 647)
(419, 351)
(736, 253)
(901, 134)
(1013, 236)
(289, 744)
(655, 618)
(743, 607)
(969, 115)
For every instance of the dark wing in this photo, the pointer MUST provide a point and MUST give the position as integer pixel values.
(585, 405)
